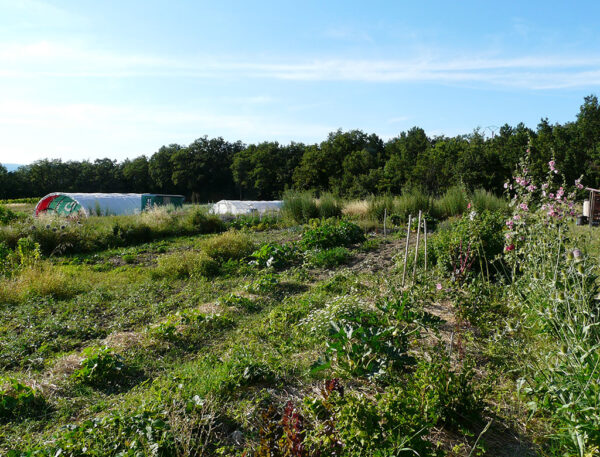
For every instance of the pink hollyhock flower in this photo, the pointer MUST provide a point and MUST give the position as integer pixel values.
(506, 185)
(531, 188)
(469, 205)
(510, 247)
(524, 207)
(552, 164)
(516, 217)
(508, 236)
(438, 286)
(545, 185)
(551, 195)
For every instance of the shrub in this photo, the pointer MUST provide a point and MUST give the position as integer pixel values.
(469, 243)
(186, 264)
(199, 221)
(18, 400)
(232, 245)
(299, 206)
(329, 258)
(330, 233)
(100, 367)
(6, 215)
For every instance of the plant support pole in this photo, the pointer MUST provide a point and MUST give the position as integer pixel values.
(417, 247)
(384, 221)
(425, 233)
(406, 249)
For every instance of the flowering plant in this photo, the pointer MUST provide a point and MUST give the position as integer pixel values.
(539, 212)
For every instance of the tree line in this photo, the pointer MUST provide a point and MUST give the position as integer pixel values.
(347, 163)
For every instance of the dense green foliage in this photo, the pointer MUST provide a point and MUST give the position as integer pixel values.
(349, 164)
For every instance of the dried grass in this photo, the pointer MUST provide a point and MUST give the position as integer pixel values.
(356, 208)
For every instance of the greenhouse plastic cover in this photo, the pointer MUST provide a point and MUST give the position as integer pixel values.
(238, 207)
(106, 204)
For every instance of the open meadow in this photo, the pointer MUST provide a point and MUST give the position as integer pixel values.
(174, 333)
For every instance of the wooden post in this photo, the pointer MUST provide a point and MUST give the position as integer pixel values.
(592, 201)
(384, 221)
(425, 233)
(406, 249)
(417, 247)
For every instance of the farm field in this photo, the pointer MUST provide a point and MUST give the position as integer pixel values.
(273, 337)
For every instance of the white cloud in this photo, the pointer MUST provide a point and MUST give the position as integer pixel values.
(50, 59)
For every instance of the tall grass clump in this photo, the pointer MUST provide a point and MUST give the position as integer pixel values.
(452, 203)
(379, 206)
(329, 206)
(60, 236)
(411, 202)
(300, 207)
(356, 209)
(483, 200)
(185, 264)
(231, 245)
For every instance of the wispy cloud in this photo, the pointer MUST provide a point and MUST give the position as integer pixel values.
(74, 131)
(48, 59)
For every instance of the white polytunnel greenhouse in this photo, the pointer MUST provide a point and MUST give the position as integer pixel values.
(246, 207)
(72, 204)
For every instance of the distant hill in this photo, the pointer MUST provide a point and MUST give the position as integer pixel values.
(12, 166)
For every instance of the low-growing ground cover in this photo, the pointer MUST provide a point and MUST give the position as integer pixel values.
(301, 341)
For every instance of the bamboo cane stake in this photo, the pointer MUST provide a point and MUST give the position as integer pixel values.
(384, 222)
(425, 233)
(406, 249)
(417, 247)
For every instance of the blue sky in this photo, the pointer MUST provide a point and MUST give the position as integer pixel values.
(87, 79)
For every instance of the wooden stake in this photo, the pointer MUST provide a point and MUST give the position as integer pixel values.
(384, 221)
(425, 233)
(406, 249)
(417, 248)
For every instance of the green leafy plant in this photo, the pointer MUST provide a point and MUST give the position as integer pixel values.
(324, 234)
(275, 255)
(329, 258)
(100, 367)
(240, 302)
(265, 284)
(18, 400)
